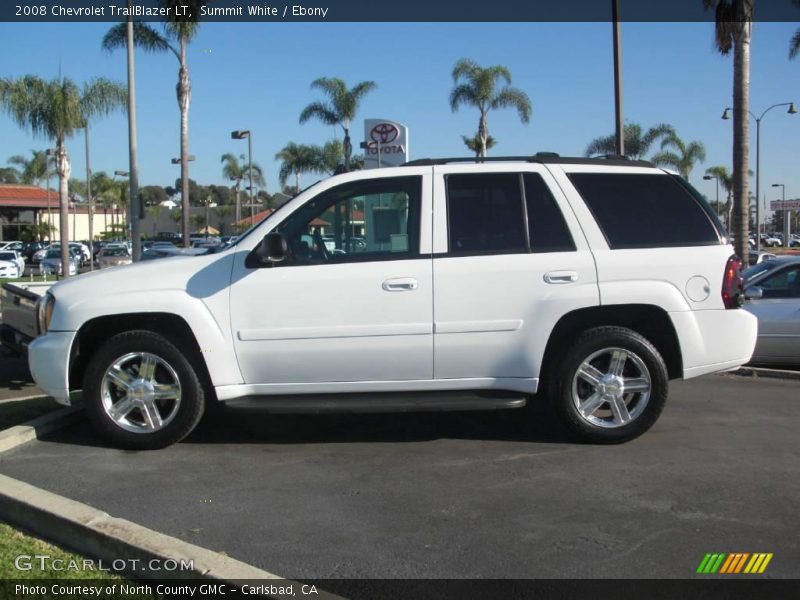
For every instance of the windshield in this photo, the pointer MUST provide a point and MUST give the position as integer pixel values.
(53, 254)
(115, 252)
(756, 270)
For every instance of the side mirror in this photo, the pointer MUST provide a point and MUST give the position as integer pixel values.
(753, 293)
(273, 248)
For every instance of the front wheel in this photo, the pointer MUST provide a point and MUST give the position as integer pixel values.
(141, 393)
(610, 386)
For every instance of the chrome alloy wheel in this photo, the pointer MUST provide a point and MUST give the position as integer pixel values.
(611, 387)
(141, 392)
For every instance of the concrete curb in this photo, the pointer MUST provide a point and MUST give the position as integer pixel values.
(22, 398)
(98, 534)
(768, 373)
(33, 429)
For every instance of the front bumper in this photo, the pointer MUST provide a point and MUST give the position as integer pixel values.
(48, 359)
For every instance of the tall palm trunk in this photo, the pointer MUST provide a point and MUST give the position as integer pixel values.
(64, 170)
(297, 181)
(741, 138)
(184, 96)
(347, 147)
(483, 133)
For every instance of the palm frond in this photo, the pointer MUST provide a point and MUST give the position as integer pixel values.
(794, 45)
(666, 159)
(463, 94)
(144, 37)
(602, 145)
(321, 111)
(102, 96)
(510, 97)
(465, 68)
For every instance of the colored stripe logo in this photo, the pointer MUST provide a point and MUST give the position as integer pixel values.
(734, 563)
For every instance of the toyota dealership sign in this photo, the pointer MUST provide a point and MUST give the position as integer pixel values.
(386, 143)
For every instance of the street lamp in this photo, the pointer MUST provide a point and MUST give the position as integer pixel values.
(787, 228)
(726, 115)
(240, 135)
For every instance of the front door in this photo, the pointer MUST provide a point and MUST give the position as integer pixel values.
(353, 300)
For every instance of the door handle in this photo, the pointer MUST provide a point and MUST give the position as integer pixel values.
(401, 284)
(561, 277)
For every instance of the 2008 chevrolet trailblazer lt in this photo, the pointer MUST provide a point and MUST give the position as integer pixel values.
(438, 285)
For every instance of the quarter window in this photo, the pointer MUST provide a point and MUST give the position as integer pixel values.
(645, 211)
(783, 284)
(374, 219)
(548, 230)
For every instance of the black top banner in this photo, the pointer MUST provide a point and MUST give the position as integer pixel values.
(66, 11)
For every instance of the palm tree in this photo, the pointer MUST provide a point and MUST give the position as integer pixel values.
(236, 171)
(637, 142)
(54, 110)
(178, 32)
(330, 158)
(477, 86)
(682, 157)
(474, 143)
(296, 159)
(9, 175)
(33, 170)
(794, 45)
(340, 109)
(733, 31)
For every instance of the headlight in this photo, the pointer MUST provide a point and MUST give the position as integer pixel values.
(44, 312)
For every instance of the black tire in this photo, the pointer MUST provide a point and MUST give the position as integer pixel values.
(192, 398)
(559, 387)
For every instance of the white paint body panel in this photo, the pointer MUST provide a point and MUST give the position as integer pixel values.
(469, 322)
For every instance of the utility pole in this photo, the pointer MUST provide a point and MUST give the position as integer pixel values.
(135, 209)
(620, 124)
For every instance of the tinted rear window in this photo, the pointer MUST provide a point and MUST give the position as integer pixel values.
(645, 211)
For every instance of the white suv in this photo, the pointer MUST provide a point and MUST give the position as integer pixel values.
(584, 283)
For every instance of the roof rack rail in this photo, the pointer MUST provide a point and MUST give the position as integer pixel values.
(539, 157)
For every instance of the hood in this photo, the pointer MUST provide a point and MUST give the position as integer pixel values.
(171, 273)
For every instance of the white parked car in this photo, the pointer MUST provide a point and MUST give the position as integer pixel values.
(9, 269)
(15, 257)
(585, 283)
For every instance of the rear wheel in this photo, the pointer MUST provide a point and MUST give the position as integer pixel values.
(141, 392)
(610, 386)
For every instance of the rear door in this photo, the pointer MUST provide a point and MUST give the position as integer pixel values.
(509, 261)
(778, 313)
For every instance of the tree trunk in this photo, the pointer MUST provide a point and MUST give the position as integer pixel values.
(184, 96)
(741, 138)
(297, 181)
(483, 133)
(64, 170)
(347, 148)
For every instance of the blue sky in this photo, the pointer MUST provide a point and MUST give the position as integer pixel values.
(256, 76)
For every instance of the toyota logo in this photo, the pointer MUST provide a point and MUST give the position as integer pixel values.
(384, 133)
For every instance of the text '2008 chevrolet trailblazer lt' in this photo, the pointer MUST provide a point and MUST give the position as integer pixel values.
(438, 285)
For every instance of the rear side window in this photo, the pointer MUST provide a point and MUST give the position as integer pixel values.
(485, 214)
(548, 230)
(645, 211)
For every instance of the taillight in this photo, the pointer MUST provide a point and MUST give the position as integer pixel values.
(733, 283)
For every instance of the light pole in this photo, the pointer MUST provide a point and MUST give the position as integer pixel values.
(725, 115)
(619, 120)
(367, 145)
(135, 206)
(787, 227)
(118, 174)
(177, 161)
(707, 177)
(240, 135)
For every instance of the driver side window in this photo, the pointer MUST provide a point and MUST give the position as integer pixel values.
(374, 219)
(784, 284)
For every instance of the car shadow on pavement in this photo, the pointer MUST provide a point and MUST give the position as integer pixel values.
(253, 425)
(15, 376)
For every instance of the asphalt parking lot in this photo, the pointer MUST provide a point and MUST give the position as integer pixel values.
(470, 495)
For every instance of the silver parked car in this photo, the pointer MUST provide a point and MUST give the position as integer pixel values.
(112, 256)
(772, 288)
(51, 264)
